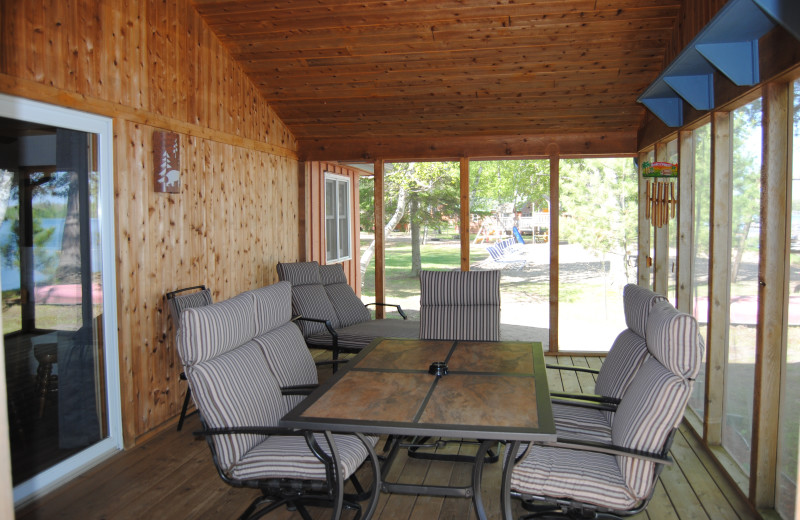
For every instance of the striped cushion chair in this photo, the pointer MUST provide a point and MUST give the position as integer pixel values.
(571, 412)
(617, 477)
(178, 301)
(460, 305)
(329, 309)
(222, 347)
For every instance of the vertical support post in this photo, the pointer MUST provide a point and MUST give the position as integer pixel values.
(661, 239)
(718, 280)
(642, 269)
(772, 290)
(685, 223)
(380, 241)
(464, 220)
(554, 235)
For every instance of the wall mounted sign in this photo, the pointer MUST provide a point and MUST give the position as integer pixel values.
(166, 162)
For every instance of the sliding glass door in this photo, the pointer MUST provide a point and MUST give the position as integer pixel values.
(57, 280)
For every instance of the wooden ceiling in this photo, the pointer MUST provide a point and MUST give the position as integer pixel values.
(384, 71)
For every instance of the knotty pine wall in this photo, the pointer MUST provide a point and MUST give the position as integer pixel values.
(154, 65)
(315, 217)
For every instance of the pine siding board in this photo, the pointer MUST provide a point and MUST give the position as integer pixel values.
(156, 66)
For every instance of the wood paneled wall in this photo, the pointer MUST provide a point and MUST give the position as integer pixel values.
(692, 17)
(155, 65)
(315, 217)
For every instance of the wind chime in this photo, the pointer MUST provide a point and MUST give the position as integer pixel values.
(661, 199)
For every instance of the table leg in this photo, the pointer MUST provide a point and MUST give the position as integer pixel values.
(477, 475)
(505, 488)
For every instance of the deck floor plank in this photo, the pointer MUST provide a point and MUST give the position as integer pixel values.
(172, 476)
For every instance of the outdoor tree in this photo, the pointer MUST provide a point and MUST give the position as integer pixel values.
(422, 194)
(746, 123)
(496, 183)
(599, 207)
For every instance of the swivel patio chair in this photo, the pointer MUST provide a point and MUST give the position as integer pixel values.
(222, 347)
(460, 305)
(627, 353)
(456, 305)
(177, 303)
(331, 315)
(614, 475)
(573, 412)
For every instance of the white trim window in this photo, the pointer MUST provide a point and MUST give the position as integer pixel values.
(337, 218)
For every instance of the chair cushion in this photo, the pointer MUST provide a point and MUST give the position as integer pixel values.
(651, 408)
(282, 456)
(206, 332)
(355, 337)
(673, 338)
(459, 288)
(622, 362)
(309, 298)
(349, 308)
(636, 303)
(578, 423)
(288, 359)
(236, 389)
(273, 306)
(460, 322)
(583, 476)
(299, 273)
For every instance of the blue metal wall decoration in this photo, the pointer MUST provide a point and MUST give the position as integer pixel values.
(729, 44)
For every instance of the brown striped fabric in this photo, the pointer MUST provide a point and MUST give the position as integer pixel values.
(456, 305)
(350, 310)
(309, 298)
(637, 303)
(673, 338)
(651, 408)
(236, 375)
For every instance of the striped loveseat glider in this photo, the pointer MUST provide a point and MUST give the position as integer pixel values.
(332, 316)
(612, 472)
(237, 354)
(460, 305)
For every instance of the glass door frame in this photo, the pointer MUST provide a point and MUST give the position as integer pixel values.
(43, 113)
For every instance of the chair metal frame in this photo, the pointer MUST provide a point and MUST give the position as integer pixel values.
(176, 323)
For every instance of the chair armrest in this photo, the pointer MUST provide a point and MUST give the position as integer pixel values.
(247, 430)
(298, 389)
(597, 405)
(327, 323)
(574, 368)
(403, 314)
(587, 397)
(610, 449)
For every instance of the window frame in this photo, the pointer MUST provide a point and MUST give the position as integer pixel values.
(343, 248)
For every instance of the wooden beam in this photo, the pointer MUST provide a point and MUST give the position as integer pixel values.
(464, 218)
(587, 144)
(685, 223)
(380, 241)
(554, 239)
(719, 274)
(661, 242)
(773, 284)
(642, 269)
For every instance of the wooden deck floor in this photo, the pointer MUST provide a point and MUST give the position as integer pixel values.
(172, 476)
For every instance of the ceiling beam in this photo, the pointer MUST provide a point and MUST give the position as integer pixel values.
(586, 144)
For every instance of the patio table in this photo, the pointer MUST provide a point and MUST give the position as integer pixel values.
(493, 391)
